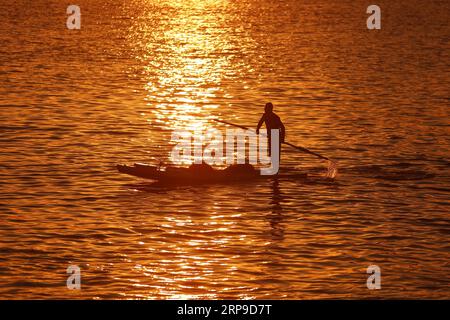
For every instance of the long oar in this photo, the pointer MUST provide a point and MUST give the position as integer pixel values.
(287, 143)
(307, 151)
(332, 166)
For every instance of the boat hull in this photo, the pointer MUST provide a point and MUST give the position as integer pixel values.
(173, 175)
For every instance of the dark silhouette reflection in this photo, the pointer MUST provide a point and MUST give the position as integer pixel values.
(276, 215)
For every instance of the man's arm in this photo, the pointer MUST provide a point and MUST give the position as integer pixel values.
(261, 121)
(283, 131)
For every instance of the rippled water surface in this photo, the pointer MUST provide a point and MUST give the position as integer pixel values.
(75, 103)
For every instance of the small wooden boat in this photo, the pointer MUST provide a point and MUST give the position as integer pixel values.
(200, 174)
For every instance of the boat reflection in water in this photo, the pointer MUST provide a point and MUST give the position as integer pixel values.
(276, 216)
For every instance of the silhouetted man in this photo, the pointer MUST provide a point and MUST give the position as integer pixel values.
(272, 121)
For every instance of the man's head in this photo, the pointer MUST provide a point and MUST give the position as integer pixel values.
(269, 107)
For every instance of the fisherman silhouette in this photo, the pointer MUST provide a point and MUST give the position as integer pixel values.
(272, 121)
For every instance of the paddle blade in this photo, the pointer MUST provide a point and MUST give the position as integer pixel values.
(332, 170)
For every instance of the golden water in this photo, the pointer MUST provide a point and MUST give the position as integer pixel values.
(75, 103)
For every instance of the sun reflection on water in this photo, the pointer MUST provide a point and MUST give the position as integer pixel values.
(189, 73)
